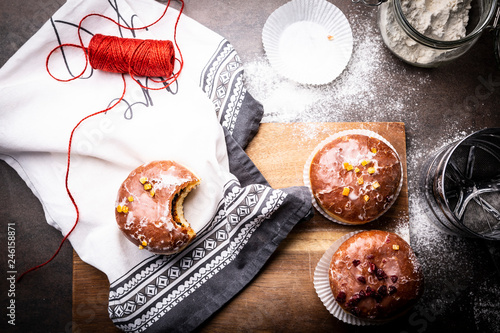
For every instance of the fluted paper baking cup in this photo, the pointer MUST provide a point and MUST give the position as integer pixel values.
(322, 285)
(308, 41)
(307, 166)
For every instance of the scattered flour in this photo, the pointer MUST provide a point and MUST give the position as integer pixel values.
(352, 96)
(486, 306)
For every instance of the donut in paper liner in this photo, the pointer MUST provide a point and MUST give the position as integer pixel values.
(307, 166)
(322, 285)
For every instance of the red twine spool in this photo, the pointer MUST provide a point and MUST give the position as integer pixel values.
(153, 58)
(137, 57)
(150, 58)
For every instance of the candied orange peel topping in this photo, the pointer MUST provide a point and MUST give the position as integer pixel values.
(376, 185)
(346, 191)
(347, 166)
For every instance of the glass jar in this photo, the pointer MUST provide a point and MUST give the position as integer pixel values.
(416, 47)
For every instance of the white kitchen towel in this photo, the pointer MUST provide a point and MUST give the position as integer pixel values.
(203, 115)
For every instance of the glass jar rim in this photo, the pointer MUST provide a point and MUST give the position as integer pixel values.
(440, 44)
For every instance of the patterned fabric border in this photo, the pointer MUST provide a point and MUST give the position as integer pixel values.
(140, 298)
(222, 81)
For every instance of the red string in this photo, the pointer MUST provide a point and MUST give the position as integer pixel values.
(66, 182)
(150, 58)
(165, 54)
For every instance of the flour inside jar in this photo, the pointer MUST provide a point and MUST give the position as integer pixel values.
(441, 20)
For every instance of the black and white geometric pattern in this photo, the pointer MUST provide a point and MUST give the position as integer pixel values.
(223, 82)
(153, 288)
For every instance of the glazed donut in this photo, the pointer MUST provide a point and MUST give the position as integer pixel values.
(355, 178)
(375, 275)
(149, 206)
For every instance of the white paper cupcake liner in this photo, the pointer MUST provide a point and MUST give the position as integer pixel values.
(307, 181)
(322, 285)
(308, 41)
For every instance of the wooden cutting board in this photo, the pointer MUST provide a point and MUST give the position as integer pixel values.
(282, 295)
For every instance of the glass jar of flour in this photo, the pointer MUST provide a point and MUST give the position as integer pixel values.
(430, 33)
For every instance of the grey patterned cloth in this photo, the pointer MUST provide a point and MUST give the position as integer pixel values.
(248, 219)
(223, 82)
